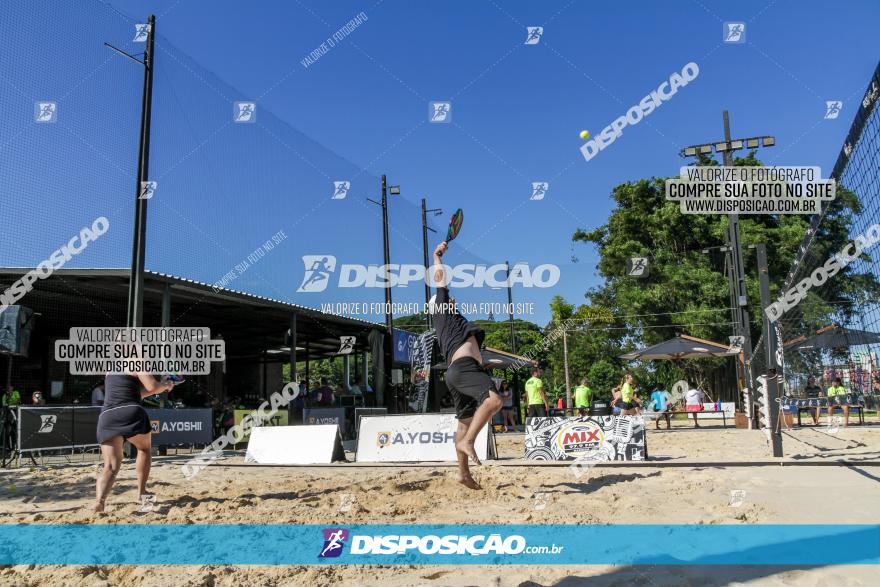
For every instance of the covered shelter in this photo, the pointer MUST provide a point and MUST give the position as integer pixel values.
(260, 333)
(681, 347)
(832, 337)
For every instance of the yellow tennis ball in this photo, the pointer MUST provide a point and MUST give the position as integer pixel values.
(585, 134)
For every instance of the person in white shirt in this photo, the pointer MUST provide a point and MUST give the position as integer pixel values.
(694, 402)
(98, 395)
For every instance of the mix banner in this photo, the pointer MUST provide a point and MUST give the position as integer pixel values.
(447, 544)
(587, 438)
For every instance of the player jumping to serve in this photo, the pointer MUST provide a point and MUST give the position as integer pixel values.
(474, 393)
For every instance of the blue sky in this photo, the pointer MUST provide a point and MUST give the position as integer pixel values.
(361, 110)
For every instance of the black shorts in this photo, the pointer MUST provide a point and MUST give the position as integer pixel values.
(124, 421)
(469, 385)
(536, 411)
(626, 405)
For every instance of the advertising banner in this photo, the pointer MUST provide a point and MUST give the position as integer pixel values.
(412, 438)
(295, 445)
(44, 428)
(420, 366)
(184, 426)
(593, 438)
(279, 419)
(403, 345)
(320, 416)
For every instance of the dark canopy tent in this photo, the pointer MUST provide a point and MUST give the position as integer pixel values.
(681, 347)
(832, 337)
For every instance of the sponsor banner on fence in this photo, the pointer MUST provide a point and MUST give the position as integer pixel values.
(847, 399)
(412, 438)
(184, 426)
(449, 544)
(319, 416)
(43, 428)
(295, 445)
(280, 418)
(593, 438)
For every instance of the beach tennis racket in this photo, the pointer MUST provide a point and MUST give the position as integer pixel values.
(454, 225)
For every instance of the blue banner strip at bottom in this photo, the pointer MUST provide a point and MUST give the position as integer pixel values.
(456, 544)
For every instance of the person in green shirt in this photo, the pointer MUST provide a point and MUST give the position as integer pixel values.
(536, 399)
(628, 402)
(11, 397)
(836, 389)
(582, 396)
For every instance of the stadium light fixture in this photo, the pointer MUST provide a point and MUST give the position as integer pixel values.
(736, 145)
(705, 149)
(769, 141)
(751, 143)
(689, 152)
(721, 147)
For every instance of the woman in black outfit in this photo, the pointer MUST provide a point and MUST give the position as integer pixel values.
(122, 418)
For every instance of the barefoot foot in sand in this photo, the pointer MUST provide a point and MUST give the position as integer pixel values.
(468, 449)
(468, 481)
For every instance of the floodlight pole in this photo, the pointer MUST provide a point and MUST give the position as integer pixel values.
(743, 327)
(425, 229)
(135, 315)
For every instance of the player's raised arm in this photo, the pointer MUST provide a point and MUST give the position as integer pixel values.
(439, 272)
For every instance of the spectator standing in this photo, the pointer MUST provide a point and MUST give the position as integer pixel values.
(535, 396)
(98, 395)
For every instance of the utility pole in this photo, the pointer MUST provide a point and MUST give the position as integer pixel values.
(425, 229)
(139, 243)
(381, 397)
(741, 301)
(771, 384)
(516, 392)
(737, 277)
(565, 362)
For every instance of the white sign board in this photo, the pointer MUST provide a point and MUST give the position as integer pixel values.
(412, 438)
(709, 410)
(293, 445)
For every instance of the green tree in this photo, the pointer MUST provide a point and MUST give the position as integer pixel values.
(687, 289)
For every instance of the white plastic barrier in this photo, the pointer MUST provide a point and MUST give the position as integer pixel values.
(295, 445)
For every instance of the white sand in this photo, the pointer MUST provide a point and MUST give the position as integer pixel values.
(691, 494)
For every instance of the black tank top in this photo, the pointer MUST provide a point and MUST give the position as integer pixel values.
(121, 390)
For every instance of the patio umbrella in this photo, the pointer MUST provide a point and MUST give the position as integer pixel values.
(832, 337)
(681, 347)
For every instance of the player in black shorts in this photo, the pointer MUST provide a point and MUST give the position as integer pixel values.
(122, 418)
(474, 393)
